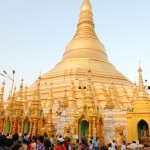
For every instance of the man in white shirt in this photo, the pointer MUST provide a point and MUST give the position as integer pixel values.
(123, 147)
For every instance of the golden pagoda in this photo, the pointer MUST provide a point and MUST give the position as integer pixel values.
(81, 90)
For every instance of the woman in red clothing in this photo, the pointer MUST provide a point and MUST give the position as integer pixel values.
(61, 145)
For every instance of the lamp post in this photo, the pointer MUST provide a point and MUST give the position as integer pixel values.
(5, 74)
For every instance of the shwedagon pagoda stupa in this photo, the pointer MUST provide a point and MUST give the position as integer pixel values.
(84, 94)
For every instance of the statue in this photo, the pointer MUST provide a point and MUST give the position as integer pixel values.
(67, 130)
(119, 135)
(34, 131)
(14, 128)
(144, 132)
(73, 129)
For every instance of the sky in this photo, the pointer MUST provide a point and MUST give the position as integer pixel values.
(34, 34)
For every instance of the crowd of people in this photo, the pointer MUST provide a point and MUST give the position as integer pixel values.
(25, 142)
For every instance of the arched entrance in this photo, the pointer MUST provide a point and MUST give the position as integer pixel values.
(26, 126)
(143, 130)
(83, 128)
(7, 127)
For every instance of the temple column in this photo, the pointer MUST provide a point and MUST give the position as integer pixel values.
(11, 125)
(90, 128)
(4, 128)
(97, 128)
(22, 127)
(77, 127)
(30, 130)
(94, 129)
(1, 125)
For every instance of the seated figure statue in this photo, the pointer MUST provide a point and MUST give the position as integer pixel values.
(119, 135)
(144, 132)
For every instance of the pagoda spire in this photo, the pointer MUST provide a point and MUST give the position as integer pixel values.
(141, 102)
(50, 100)
(89, 102)
(109, 104)
(36, 108)
(86, 23)
(36, 102)
(64, 102)
(72, 99)
(19, 97)
(14, 95)
(141, 89)
(25, 103)
(1, 105)
(2, 94)
(18, 111)
(113, 97)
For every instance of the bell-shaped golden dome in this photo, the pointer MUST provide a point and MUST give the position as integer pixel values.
(84, 51)
(85, 47)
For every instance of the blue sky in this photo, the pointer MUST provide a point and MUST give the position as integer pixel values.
(34, 34)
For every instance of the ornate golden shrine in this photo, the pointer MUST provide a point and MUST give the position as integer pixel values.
(140, 112)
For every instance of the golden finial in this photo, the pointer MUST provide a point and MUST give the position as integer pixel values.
(86, 6)
(86, 16)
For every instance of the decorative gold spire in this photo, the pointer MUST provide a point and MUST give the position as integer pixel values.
(36, 102)
(14, 95)
(2, 98)
(86, 15)
(89, 101)
(109, 104)
(72, 99)
(49, 125)
(25, 102)
(18, 107)
(113, 97)
(36, 108)
(64, 102)
(9, 101)
(19, 97)
(141, 89)
(50, 100)
(141, 102)
(2, 93)
(86, 35)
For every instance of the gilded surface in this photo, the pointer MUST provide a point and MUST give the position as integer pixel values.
(82, 87)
